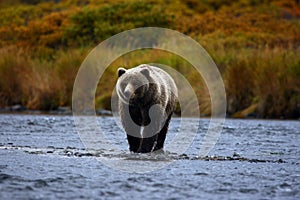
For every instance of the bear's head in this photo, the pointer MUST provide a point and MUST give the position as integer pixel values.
(132, 84)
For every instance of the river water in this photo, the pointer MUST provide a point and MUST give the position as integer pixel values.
(43, 157)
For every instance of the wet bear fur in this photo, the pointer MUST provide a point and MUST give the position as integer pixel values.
(138, 90)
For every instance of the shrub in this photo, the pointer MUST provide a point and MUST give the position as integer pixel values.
(96, 24)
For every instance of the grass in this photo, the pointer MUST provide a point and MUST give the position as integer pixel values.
(37, 84)
(266, 77)
(255, 45)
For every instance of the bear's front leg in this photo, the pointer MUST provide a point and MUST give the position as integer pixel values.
(162, 134)
(150, 136)
(132, 129)
(147, 145)
(134, 143)
(133, 133)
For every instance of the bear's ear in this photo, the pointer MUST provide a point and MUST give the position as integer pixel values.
(145, 72)
(121, 71)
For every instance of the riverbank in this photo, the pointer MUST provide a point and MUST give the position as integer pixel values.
(19, 109)
(66, 111)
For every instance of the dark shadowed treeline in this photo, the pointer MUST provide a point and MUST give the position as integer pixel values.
(254, 43)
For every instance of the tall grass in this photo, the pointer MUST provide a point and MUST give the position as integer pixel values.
(268, 78)
(265, 80)
(12, 65)
(34, 83)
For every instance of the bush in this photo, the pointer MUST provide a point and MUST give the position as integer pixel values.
(96, 24)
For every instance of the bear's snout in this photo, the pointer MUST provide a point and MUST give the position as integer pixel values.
(127, 94)
(128, 91)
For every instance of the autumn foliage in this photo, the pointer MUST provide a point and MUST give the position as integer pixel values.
(255, 44)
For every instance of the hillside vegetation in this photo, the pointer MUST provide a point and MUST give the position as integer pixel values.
(255, 44)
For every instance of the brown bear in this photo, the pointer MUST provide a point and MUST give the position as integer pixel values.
(147, 99)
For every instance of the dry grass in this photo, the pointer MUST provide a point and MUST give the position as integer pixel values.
(34, 83)
(267, 77)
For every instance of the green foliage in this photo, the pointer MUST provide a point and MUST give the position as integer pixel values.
(96, 24)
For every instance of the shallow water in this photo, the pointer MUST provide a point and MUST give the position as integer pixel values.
(43, 157)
